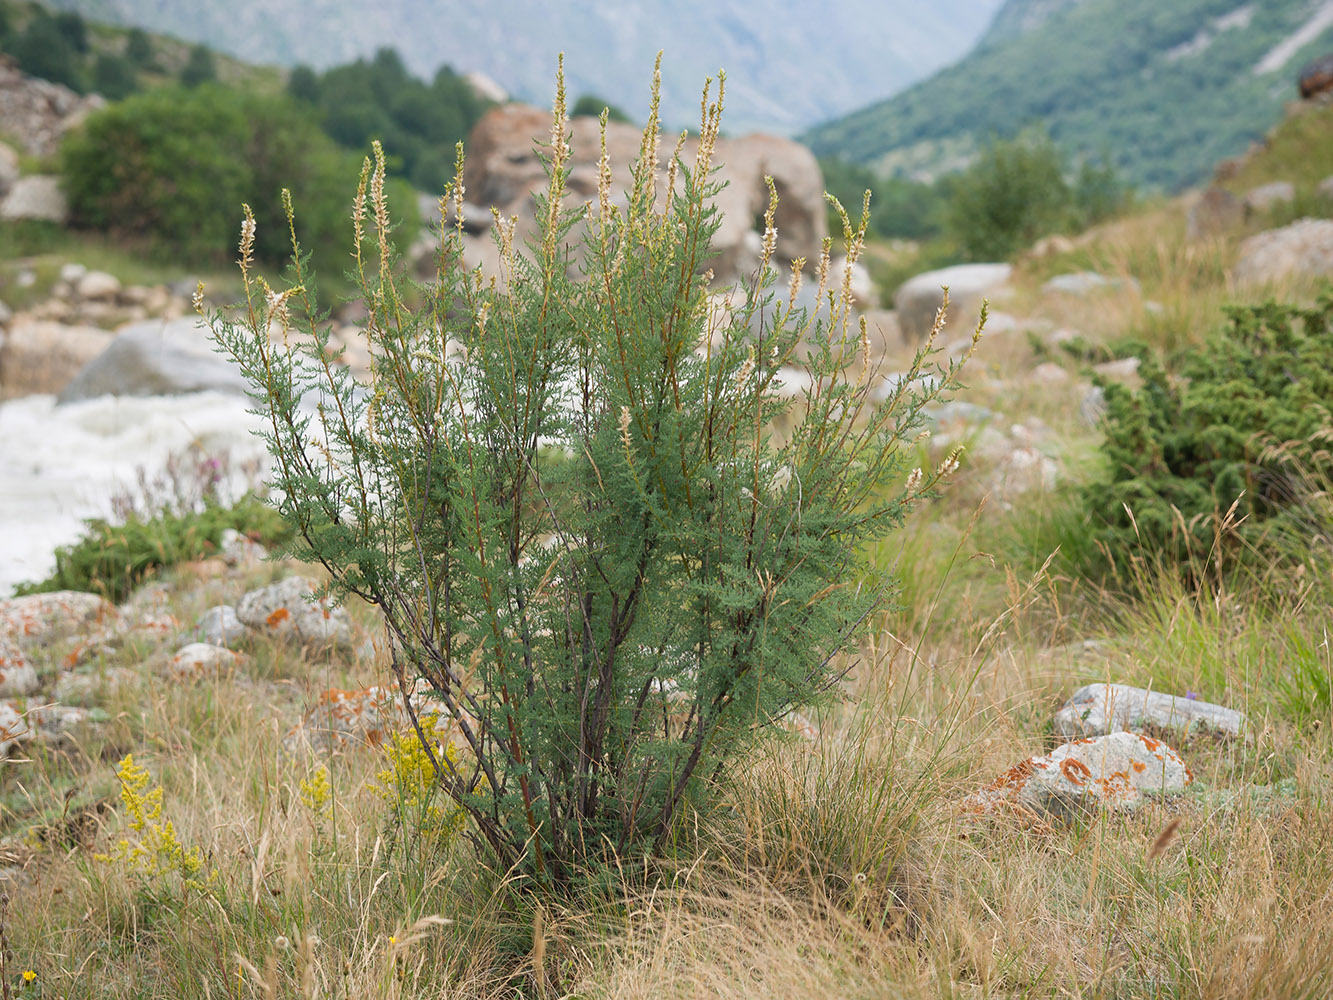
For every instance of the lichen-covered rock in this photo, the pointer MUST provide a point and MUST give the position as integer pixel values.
(51, 724)
(17, 675)
(1113, 772)
(1303, 249)
(239, 550)
(148, 611)
(219, 626)
(1098, 709)
(202, 659)
(286, 610)
(41, 619)
(12, 727)
(359, 718)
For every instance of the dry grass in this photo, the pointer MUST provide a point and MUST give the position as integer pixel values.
(834, 869)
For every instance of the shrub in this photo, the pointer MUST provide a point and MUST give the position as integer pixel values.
(139, 49)
(172, 167)
(1243, 420)
(43, 50)
(199, 67)
(579, 527)
(112, 558)
(591, 106)
(114, 77)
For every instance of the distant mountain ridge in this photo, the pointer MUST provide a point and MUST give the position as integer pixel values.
(1166, 90)
(789, 63)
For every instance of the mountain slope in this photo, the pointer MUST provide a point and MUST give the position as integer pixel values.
(1166, 89)
(789, 63)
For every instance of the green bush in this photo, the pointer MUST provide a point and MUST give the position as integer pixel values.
(1016, 191)
(139, 49)
(903, 209)
(580, 530)
(173, 166)
(199, 67)
(1244, 420)
(114, 77)
(43, 50)
(591, 106)
(112, 558)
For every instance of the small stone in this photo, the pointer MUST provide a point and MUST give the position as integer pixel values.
(219, 626)
(71, 273)
(1049, 373)
(360, 718)
(202, 659)
(1117, 772)
(12, 727)
(1098, 709)
(1121, 370)
(85, 688)
(97, 286)
(285, 610)
(238, 550)
(37, 197)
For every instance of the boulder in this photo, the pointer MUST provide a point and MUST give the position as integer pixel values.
(156, 358)
(12, 727)
(1081, 283)
(9, 168)
(504, 171)
(17, 675)
(917, 301)
(862, 286)
(38, 112)
(240, 550)
(200, 660)
(1268, 196)
(1303, 249)
(97, 286)
(219, 626)
(36, 197)
(1098, 709)
(883, 331)
(1213, 213)
(1317, 77)
(1117, 772)
(41, 619)
(41, 356)
(286, 609)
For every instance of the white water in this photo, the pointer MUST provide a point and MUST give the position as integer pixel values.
(62, 464)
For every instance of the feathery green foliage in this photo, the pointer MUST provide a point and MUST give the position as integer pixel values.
(565, 495)
(1243, 420)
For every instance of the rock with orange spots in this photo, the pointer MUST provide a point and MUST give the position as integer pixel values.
(361, 717)
(1098, 709)
(41, 619)
(50, 724)
(220, 626)
(17, 675)
(202, 659)
(1116, 772)
(287, 609)
(148, 612)
(12, 727)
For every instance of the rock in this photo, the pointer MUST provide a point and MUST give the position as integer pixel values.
(156, 359)
(1303, 249)
(39, 356)
(17, 675)
(504, 170)
(202, 659)
(1122, 370)
(883, 331)
(36, 197)
(70, 273)
(9, 168)
(1267, 196)
(1024, 470)
(37, 112)
(6, 314)
(1115, 772)
(51, 724)
(285, 610)
(12, 728)
(41, 619)
(362, 717)
(97, 286)
(1098, 709)
(1317, 77)
(238, 550)
(956, 414)
(1213, 213)
(862, 287)
(918, 299)
(88, 687)
(1049, 373)
(486, 88)
(1092, 407)
(148, 611)
(1083, 283)
(219, 626)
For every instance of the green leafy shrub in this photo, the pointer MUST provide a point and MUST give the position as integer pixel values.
(575, 518)
(591, 106)
(114, 77)
(172, 167)
(1243, 420)
(903, 209)
(43, 49)
(199, 67)
(113, 557)
(1016, 191)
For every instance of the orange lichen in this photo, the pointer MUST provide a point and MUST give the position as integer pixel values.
(1075, 771)
(278, 616)
(1139, 766)
(1016, 775)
